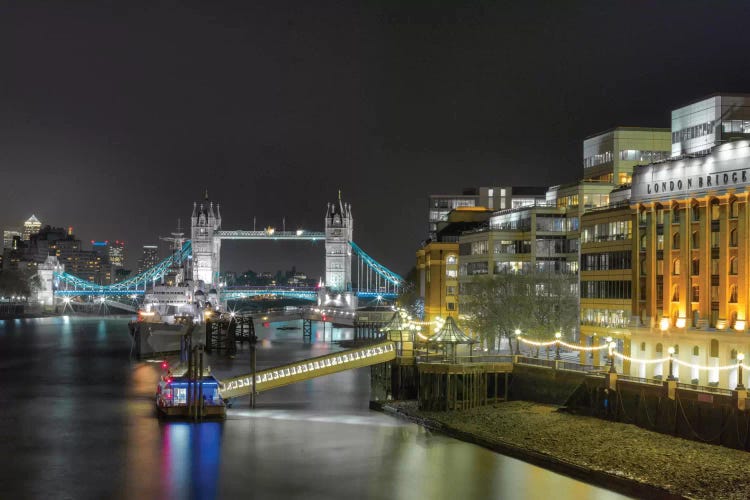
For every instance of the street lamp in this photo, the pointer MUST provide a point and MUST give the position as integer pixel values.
(740, 359)
(612, 357)
(518, 337)
(558, 335)
(671, 364)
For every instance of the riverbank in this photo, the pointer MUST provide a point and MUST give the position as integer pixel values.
(618, 456)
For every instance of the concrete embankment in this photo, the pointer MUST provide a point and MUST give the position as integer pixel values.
(621, 457)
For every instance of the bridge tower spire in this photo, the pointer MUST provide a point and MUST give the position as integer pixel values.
(339, 230)
(204, 222)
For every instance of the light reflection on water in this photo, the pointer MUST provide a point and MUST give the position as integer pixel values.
(78, 420)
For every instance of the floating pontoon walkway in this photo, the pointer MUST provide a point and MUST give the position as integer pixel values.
(306, 369)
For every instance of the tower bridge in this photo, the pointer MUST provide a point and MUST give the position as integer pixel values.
(201, 257)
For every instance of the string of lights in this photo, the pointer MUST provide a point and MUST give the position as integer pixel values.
(538, 344)
(569, 346)
(584, 348)
(642, 361)
(704, 367)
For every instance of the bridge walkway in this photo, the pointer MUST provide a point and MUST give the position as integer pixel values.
(305, 369)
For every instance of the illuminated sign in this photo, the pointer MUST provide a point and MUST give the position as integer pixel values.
(726, 168)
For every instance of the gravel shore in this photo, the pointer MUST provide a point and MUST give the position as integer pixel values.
(674, 465)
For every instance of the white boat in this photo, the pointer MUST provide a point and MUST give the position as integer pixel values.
(170, 316)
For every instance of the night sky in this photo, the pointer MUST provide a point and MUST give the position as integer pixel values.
(115, 118)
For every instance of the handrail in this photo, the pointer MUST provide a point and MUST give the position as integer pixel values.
(704, 388)
(640, 380)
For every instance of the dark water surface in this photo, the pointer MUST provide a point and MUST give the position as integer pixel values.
(77, 421)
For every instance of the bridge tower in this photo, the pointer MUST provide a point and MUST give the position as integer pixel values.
(206, 220)
(339, 228)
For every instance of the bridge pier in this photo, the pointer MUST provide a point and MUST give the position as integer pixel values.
(307, 330)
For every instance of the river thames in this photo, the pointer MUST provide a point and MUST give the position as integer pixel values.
(77, 421)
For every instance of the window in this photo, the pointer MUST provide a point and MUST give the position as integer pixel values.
(733, 294)
(479, 247)
(512, 267)
(597, 159)
(450, 290)
(451, 273)
(451, 259)
(733, 265)
(605, 261)
(695, 210)
(714, 348)
(660, 216)
(715, 239)
(608, 231)
(675, 293)
(733, 238)
(676, 267)
(606, 289)
(451, 306)
(715, 210)
(643, 156)
(734, 209)
(696, 267)
(660, 242)
(696, 294)
(676, 241)
(696, 351)
(474, 268)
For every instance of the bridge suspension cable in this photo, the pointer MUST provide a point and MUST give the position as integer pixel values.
(136, 284)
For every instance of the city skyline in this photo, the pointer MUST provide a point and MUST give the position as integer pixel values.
(392, 95)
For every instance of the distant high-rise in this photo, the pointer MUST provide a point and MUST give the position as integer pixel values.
(149, 258)
(31, 226)
(117, 253)
(8, 235)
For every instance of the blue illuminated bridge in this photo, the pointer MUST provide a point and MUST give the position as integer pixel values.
(374, 281)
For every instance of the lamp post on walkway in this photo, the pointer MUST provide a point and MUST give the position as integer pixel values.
(671, 364)
(558, 335)
(612, 357)
(740, 359)
(518, 337)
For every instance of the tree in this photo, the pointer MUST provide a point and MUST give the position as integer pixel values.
(495, 306)
(409, 296)
(538, 304)
(14, 283)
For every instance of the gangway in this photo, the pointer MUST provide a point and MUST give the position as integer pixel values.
(305, 369)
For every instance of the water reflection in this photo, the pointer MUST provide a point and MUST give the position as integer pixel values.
(78, 421)
(190, 459)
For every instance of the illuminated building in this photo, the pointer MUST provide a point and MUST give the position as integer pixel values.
(149, 258)
(610, 156)
(714, 120)
(606, 274)
(31, 226)
(520, 240)
(692, 249)
(492, 198)
(8, 236)
(102, 249)
(438, 262)
(117, 254)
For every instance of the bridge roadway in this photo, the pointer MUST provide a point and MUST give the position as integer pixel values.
(278, 376)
